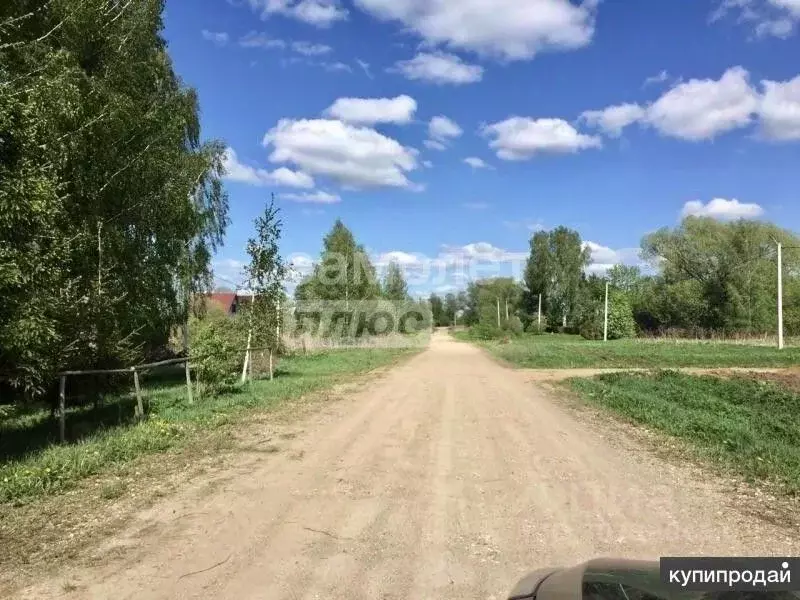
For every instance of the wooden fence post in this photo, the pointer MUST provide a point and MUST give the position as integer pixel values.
(270, 364)
(188, 383)
(139, 406)
(62, 407)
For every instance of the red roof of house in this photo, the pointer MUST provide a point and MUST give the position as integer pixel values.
(224, 299)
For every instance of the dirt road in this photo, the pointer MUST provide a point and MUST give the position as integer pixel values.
(448, 477)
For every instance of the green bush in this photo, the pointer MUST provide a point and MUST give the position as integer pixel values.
(621, 324)
(536, 329)
(514, 325)
(592, 328)
(486, 331)
(217, 350)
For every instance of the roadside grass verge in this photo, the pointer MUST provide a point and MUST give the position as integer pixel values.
(747, 426)
(572, 352)
(48, 468)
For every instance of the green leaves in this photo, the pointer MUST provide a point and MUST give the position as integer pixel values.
(555, 270)
(720, 276)
(394, 283)
(266, 274)
(110, 203)
(343, 272)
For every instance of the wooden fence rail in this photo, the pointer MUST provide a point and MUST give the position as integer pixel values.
(135, 370)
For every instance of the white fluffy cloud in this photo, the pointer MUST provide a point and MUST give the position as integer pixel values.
(603, 257)
(242, 173)
(779, 110)
(369, 111)
(309, 49)
(480, 252)
(701, 109)
(300, 265)
(288, 178)
(510, 29)
(780, 28)
(442, 128)
(776, 18)
(398, 257)
(722, 209)
(793, 6)
(441, 131)
(439, 67)
(614, 119)
(520, 138)
(455, 264)
(354, 157)
(450, 255)
(236, 171)
(434, 145)
(254, 39)
(318, 197)
(336, 67)
(476, 163)
(655, 79)
(321, 13)
(218, 38)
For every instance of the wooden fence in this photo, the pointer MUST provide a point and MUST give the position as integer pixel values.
(136, 371)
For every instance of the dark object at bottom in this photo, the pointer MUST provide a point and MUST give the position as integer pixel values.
(606, 579)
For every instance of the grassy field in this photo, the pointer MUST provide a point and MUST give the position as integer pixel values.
(749, 426)
(32, 465)
(572, 351)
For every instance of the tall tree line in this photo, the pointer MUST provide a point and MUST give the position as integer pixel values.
(111, 205)
(718, 276)
(701, 277)
(704, 276)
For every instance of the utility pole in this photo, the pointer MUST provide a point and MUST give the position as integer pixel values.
(540, 311)
(780, 296)
(605, 319)
(498, 312)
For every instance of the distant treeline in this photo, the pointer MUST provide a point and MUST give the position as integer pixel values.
(699, 279)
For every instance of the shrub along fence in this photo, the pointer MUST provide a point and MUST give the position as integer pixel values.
(137, 370)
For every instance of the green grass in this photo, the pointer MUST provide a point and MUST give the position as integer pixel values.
(572, 351)
(750, 427)
(31, 464)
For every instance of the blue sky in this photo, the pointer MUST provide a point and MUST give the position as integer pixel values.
(446, 131)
